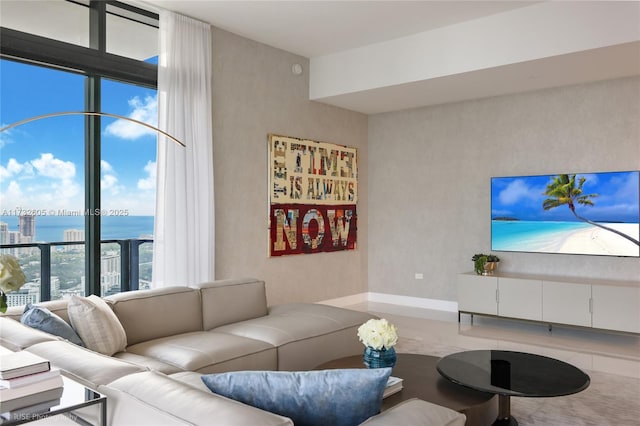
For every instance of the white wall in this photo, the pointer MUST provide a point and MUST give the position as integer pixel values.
(430, 170)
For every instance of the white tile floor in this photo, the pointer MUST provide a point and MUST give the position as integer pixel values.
(607, 352)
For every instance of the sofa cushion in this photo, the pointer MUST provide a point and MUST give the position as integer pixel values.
(84, 365)
(341, 397)
(195, 406)
(230, 301)
(41, 318)
(209, 352)
(306, 334)
(17, 336)
(160, 312)
(417, 412)
(287, 323)
(96, 324)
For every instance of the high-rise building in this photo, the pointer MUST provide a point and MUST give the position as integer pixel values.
(27, 226)
(110, 273)
(55, 287)
(4, 233)
(12, 237)
(73, 235)
(22, 297)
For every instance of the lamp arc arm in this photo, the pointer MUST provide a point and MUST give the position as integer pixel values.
(92, 113)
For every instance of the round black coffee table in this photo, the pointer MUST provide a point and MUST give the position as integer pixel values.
(508, 374)
(421, 380)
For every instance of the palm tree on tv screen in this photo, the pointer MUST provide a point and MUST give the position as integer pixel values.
(563, 190)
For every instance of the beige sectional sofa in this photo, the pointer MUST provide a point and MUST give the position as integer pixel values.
(176, 334)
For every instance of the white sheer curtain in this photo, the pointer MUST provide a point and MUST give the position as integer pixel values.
(183, 252)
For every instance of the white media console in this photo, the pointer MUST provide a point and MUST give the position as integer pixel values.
(606, 305)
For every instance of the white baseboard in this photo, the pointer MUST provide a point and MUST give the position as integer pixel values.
(341, 302)
(414, 302)
(392, 299)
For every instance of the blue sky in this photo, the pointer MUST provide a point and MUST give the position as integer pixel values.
(42, 163)
(522, 198)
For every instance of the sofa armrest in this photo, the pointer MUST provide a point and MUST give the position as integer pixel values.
(58, 307)
(417, 412)
(230, 301)
(83, 365)
(164, 397)
(16, 336)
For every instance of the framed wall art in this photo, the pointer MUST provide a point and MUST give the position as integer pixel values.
(313, 192)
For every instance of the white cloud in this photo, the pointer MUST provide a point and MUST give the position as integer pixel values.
(109, 182)
(105, 167)
(15, 168)
(49, 166)
(143, 110)
(50, 185)
(139, 200)
(43, 194)
(514, 192)
(148, 182)
(66, 189)
(13, 190)
(109, 179)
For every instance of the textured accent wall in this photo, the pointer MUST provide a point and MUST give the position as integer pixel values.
(430, 170)
(255, 93)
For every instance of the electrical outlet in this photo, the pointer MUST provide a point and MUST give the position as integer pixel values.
(419, 276)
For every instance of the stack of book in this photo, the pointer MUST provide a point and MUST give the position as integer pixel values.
(28, 384)
(394, 385)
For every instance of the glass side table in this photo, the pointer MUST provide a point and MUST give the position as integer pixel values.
(509, 373)
(73, 405)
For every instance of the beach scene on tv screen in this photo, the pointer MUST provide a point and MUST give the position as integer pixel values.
(591, 213)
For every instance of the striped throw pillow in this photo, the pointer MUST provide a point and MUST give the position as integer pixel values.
(96, 324)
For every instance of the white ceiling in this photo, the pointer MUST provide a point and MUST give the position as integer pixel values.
(560, 41)
(314, 28)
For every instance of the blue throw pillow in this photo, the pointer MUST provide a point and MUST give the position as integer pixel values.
(342, 397)
(43, 319)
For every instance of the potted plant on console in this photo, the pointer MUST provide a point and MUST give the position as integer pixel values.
(485, 264)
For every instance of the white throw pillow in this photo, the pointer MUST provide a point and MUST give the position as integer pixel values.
(96, 324)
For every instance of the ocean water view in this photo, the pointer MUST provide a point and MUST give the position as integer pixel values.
(51, 228)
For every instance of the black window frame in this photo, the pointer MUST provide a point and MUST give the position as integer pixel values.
(95, 63)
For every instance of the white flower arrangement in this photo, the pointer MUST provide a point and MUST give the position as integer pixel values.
(11, 278)
(378, 333)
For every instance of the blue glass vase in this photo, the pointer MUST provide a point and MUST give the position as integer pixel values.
(379, 358)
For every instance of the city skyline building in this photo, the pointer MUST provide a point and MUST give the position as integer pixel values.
(27, 226)
(13, 237)
(73, 235)
(4, 233)
(110, 273)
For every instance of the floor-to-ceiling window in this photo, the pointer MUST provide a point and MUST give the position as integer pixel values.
(75, 178)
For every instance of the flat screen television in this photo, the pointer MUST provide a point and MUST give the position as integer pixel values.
(581, 213)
